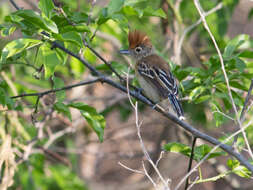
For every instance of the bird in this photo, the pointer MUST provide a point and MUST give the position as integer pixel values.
(153, 72)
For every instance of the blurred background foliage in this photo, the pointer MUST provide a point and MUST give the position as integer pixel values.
(29, 64)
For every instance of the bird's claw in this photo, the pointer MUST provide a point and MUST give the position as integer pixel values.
(154, 106)
(140, 91)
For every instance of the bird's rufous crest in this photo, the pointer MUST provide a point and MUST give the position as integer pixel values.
(136, 38)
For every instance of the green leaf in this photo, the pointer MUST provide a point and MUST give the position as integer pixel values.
(62, 108)
(149, 11)
(77, 28)
(234, 44)
(59, 83)
(202, 99)
(201, 151)
(5, 100)
(34, 18)
(46, 6)
(229, 49)
(17, 46)
(240, 65)
(95, 120)
(238, 85)
(131, 11)
(178, 148)
(246, 54)
(103, 16)
(79, 17)
(115, 6)
(196, 92)
(250, 14)
(238, 169)
(73, 37)
(51, 25)
(8, 30)
(48, 58)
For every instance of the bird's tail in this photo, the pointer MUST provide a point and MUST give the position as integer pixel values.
(177, 107)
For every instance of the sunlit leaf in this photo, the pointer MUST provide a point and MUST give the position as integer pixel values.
(16, 46)
(37, 20)
(46, 6)
(7, 30)
(48, 58)
(238, 169)
(73, 37)
(95, 120)
(178, 148)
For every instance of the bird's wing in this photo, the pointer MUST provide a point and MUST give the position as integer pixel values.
(162, 80)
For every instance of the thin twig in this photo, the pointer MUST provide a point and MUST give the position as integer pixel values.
(246, 101)
(193, 183)
(201, 12)
(105, 62)
(190, 161)
(57, 135)
(218, 111)
(188, 29)
(148, 176)
(144, 150)
(159, 159)
(14, 5)
(122, 80)
(40, 94)
(130, 169)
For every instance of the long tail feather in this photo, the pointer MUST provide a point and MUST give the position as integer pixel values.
(176, 106)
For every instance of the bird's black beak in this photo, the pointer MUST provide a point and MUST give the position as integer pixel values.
(126, 52)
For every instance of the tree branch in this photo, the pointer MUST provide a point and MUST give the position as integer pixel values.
(146, 101)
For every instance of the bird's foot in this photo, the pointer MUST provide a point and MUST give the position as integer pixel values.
(140, 91)
(154, 106)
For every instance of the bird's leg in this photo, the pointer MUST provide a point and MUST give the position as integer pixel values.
(140, 91)
(154, 106)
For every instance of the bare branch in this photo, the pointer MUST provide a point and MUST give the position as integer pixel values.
(130, 169)
(57, 135)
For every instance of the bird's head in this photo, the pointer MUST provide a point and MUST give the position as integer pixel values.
(139, 45)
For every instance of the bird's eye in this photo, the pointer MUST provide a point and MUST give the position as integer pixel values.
(138, 49)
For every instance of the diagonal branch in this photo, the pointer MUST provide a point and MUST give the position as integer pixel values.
(146, 101)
